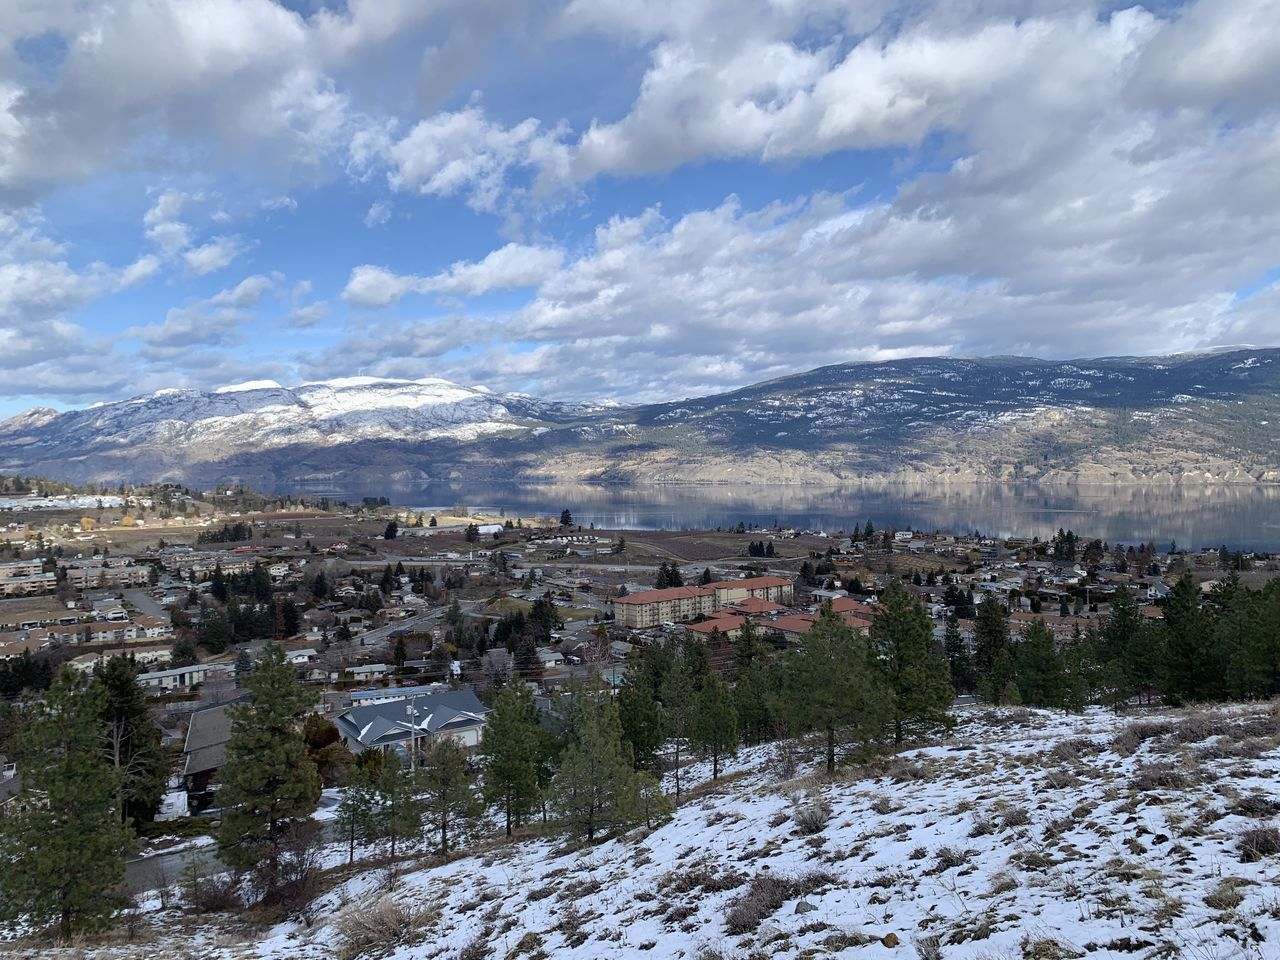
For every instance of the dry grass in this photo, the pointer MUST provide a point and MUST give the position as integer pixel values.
(383, 925)
(767, 893)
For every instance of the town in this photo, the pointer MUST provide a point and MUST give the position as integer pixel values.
(440, 638)
(377, 605)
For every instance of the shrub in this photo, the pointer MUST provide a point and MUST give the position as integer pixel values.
(1014, 817)
(1134, 735)
(380, 926)
(1255, 805)
(948, 858)
(768, 892)
(883, 805)
(1224, 897)
(812, 817)
(1200, 726)
(1157, 776)
(1258, 843)
(1073, 748)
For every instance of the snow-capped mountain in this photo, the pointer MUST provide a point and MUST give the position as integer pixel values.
(263, 414)
(1207, 416)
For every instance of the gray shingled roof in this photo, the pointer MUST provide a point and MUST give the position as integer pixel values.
(379, 724)
(207, 736)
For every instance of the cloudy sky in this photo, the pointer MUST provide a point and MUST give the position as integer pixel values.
(621, 199)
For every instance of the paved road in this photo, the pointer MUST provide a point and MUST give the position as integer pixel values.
(166, 869)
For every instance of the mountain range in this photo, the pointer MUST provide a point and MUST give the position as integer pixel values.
(1207, 417)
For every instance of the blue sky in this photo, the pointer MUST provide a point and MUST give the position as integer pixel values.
(623, 200)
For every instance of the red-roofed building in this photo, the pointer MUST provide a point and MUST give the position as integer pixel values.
(651, 608)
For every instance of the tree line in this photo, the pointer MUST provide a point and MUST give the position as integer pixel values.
(1216, 647)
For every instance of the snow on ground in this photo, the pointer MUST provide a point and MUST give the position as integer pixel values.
(1026, 835)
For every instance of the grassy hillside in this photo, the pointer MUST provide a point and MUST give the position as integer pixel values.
(1025, 836)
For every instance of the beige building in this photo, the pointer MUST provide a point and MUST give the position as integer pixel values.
(652, 608)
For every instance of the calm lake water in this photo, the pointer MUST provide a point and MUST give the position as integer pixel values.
(1241, 516)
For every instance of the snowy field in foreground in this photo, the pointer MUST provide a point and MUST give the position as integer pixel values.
(1025, 835)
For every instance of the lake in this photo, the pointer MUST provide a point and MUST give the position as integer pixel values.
(1241, 516)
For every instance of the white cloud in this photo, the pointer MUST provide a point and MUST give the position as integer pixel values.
(214, 255)
(514, 265)
(378, 214)
(140, 271)
(246, 293)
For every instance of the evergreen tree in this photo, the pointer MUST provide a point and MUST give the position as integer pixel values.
(509, 753)
(677, 695)
(398, 811)
(218, 584)
(132, 740)
(754, 693)
(706, 577)
(62, 842)
(958, 657)
(596, 787)
(392, 531)
(1191, 667)
(749, 650)
(918, 681)
(714, 728)
(1038, 668)
(990, 640)
(449, 795)
(641, 718)
(357, 820)
(566, 518)
(399, 653)
(268, 784)
(830, 685)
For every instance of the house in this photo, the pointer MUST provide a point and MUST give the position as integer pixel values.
(181, 677)
(204, 752)
(392, 724)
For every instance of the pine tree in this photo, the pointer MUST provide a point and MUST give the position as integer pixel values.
(595, 788)
(357, 820)
(449, 794)
(398, 811)
(61, 838)
(830, 685)
(918, 681)
(715, 722)
(132, 740)
(1038, 668)
(268, 784)
(677, 696)
(641, 718)
(958, 657)
(509, 752)
(1190, 663)
(749, 650)
(990, 642)
(754, 693)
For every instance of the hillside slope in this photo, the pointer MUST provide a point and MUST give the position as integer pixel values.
(1026, 835)
(1203, 417)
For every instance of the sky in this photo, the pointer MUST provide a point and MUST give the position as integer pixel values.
(623, 200)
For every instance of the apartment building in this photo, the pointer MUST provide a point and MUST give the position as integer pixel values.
(89, 575)
(652, 608)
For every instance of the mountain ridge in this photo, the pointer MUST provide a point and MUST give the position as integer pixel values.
(1203, 417)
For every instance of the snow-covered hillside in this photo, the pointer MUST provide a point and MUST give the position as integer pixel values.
(264, 415)
(1026, 835)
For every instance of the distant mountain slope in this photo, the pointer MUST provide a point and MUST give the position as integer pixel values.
(1196, 417)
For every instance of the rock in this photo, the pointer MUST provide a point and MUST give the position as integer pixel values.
(890, 940)
(804, 906)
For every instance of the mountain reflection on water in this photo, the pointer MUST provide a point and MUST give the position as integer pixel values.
(1242, 516)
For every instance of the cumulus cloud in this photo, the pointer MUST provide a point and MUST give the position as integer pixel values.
(214, 255)
(514, 265)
